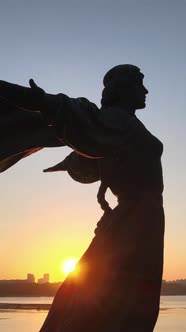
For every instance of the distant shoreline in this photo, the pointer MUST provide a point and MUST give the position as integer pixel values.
(25, 306)
(52, 296)
(50, 289)
(36, 306)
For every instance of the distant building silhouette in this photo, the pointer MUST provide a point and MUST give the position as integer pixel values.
(30, 279)
(179, 281)
(45, 279)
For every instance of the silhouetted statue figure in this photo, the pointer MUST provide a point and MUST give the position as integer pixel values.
(117, 287)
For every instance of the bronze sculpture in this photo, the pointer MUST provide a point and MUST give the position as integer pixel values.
(118, 288)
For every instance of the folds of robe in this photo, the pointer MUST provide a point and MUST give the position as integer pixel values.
(80, 168)
(22, 133)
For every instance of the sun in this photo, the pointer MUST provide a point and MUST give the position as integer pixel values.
(69, 265)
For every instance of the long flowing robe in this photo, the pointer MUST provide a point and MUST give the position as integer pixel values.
(117, 287)
(119, 281)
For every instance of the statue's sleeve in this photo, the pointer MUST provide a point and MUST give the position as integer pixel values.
(80, 168)
(97, 133)
(22, 133)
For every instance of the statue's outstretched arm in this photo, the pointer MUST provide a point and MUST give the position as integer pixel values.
(77, 122)
(21, 132)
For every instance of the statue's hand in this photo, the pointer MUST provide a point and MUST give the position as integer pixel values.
(36, 89)
(44, 102)
(38, 94)
(101, 197)
(30, 98)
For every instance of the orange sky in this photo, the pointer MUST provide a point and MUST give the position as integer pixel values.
(49, 233)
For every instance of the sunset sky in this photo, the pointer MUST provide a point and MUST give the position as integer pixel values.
(68, 46)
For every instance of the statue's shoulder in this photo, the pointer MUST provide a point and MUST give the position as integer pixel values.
(85, 103)
(114, 117)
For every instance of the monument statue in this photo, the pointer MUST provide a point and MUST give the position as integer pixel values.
(119, 280)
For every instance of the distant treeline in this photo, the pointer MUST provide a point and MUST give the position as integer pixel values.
(29, 289)
(50, 289)
(173, 288)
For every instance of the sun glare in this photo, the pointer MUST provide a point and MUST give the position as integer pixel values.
(69, 265)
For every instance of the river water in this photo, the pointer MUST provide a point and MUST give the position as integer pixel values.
(172, 316)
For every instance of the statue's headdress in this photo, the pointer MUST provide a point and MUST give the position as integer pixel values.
(122, 75)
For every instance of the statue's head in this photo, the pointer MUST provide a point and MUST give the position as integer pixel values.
(123, 85)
